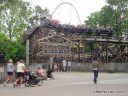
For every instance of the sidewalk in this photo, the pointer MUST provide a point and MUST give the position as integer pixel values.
(74, 84)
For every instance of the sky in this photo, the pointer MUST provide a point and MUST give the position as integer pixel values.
(66, 13)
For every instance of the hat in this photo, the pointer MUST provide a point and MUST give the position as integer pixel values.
(10, 61)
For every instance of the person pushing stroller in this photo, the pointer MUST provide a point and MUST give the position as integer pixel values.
(20, 73)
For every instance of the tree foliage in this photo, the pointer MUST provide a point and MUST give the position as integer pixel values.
(3, 42)
(15, 16)
(114, 14)
(38, 12)
(15, 51)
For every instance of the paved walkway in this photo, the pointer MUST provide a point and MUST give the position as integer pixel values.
(74, 84)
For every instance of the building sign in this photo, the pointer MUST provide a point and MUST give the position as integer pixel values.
(56, 48)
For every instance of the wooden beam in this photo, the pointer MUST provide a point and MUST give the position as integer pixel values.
(45, 38)
(27, 53)
(102, 40)
(54, 36)
(64, 38)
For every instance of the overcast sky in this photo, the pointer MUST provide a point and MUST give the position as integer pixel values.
(67, 14)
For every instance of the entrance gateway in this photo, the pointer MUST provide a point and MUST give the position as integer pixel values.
(46, 47)
(54, 51)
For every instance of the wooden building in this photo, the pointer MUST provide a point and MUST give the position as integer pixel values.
(45, 44)
(51, 40)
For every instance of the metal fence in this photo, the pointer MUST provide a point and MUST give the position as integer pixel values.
(85, 67)
(3, 73)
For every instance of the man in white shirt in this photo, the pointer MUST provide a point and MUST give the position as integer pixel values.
(69, 66)
(64, 65)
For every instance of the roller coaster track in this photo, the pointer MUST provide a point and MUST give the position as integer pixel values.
(70, 5)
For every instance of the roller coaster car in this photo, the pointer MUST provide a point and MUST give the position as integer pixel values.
(68, 30)
(53, 26)
(105, 31)
(86, 31)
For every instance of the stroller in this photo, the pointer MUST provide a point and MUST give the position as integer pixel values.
(33, 80)
(30, 79)
(49, 73)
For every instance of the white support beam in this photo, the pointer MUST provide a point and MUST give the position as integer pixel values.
(27, 53)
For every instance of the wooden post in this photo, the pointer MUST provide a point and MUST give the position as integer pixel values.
(27, 53)
(51, 61)
(78, 51)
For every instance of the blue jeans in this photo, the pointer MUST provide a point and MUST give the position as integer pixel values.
(69, 68)
(95, 74)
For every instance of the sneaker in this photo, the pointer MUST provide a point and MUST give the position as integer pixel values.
(5, 84)
(95, 81)
(14, 85)
(21, 86)
(11, 85)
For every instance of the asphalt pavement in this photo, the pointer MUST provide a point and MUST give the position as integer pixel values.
(74, 84)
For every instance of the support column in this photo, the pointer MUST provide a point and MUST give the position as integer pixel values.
(51, 61)
(107, 53)
(27, 54)
(78, 51)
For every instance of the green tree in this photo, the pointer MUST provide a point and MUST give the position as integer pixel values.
(15, 51)
(37, 13)
(3, 42)
(114, 14)
(16, 15)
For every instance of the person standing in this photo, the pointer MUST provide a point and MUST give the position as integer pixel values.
(69, 66)
(96, 65)
(10, 69)
(78, 66)
(64, 65)
(20, 73)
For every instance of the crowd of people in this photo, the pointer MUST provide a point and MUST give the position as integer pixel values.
(20, 70)
(41, 72)
(62, 66)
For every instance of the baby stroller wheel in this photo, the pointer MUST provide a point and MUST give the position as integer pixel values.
(32, 83)
(40, 82)
(27, 83)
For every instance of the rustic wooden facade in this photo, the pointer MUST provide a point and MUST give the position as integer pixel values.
(78, 40)
(45, 43)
